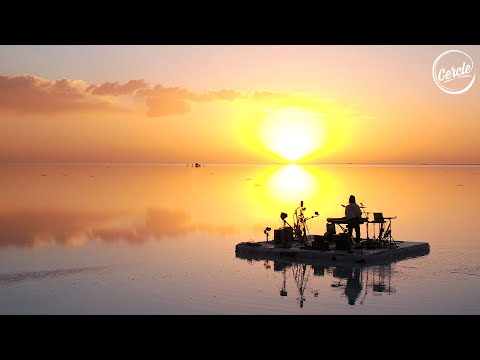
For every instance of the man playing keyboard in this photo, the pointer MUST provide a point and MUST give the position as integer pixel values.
(353, 215)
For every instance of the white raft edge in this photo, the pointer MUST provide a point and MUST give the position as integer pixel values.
(267, 251)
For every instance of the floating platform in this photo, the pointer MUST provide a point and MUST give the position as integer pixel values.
(296, 252)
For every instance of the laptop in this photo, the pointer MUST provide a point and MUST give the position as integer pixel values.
(378, 217)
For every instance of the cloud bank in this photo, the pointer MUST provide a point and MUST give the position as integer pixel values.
(33, 94)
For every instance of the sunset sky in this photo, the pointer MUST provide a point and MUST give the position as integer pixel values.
(234, 104)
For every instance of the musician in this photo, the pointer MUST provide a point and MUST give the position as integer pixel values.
(353, 215)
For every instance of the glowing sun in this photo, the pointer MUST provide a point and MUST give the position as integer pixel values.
(292, 134)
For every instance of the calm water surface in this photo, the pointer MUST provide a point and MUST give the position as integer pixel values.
(112, 239)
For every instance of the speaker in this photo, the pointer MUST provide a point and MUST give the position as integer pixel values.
(342, 242)
(283, 235)
(319, 242)
(318, 238)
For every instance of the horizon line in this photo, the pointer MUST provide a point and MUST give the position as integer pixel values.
(236, 164)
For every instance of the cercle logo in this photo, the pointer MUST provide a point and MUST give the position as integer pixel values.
(453, 72)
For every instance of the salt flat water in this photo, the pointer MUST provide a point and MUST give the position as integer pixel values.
(160, 239)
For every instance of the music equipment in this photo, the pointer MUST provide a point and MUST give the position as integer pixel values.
(320, 242)
(342, 242)
(343, 220)
(378, 218)
(283, 235)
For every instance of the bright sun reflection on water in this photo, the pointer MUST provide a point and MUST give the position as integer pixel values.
(292, 183)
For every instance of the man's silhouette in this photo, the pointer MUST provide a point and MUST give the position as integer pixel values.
(353, 215)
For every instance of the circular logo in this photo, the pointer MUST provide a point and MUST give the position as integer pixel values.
(453, 72)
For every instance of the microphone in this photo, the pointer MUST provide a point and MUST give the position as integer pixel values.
(343, 205)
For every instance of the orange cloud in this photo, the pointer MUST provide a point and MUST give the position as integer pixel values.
(163, 101)
(115, 89)
(29, 93)
(216, 95)
(32, 94)
(166, 101)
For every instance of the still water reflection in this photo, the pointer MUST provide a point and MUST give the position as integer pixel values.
(351, 283)
(161, 239)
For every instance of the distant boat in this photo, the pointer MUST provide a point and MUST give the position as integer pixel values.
(197, 165)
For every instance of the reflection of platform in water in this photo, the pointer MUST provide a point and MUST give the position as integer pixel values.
(268, 251)
(353, 281)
